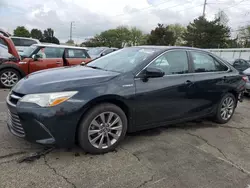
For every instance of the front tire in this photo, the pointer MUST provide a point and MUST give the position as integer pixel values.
(102, 128)
(9, 77)
(225, 109)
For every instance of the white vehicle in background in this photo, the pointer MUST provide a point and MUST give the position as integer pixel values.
(22, 43)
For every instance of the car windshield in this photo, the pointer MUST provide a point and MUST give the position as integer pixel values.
(123, 60)
(95, 51)
(28, 51)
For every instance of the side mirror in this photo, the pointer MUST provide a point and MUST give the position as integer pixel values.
(35, 57)
(153, 72)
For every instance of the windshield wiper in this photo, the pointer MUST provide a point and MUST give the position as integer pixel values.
(94, 67)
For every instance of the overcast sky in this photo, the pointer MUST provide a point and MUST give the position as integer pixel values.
(93, 16)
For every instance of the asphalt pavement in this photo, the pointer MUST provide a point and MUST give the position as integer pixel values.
(195, 154)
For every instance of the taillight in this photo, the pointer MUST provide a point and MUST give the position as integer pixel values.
(245, 78)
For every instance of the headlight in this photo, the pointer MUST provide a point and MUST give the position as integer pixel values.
(48, 99)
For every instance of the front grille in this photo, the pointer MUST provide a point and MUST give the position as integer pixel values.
(14, 97)
(15, 124)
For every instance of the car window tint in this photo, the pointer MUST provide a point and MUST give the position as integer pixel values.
(108, 51)
(76, 53)
(3, 44)
(237, 63)
(27, 42)
(173, 62)
(50, 52)
(206, 63)
(16, 41)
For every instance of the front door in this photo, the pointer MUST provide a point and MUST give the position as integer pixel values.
(49, 57)
(166, 98)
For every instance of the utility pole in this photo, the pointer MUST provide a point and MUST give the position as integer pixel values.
(204, 8)
(70, 31)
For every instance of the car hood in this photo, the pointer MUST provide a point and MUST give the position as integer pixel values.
(62, 79)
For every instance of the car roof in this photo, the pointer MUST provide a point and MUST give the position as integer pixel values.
(164, 48)
(169, 47)
(59, 46)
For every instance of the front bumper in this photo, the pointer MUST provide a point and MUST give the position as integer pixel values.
(54, 125)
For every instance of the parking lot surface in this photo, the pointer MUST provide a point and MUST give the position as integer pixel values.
(195, 154)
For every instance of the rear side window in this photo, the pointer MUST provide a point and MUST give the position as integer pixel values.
(173, 62)
(77, 53)
(206, 63)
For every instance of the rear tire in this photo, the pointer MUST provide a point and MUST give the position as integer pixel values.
(225, 109)
(9, 77)
(102, 128)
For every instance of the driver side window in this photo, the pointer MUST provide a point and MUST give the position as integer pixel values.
(173, 62)
(50, 52)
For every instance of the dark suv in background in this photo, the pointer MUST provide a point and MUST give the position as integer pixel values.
(100, 51)
(243, 66)
(128, 90)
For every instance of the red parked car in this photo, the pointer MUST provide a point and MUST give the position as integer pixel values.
(37, 57)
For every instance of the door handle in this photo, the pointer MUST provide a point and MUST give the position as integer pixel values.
(58, 62)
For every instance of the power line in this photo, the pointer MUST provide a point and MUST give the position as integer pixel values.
(234, 5)
(146, 8)
(138, 10)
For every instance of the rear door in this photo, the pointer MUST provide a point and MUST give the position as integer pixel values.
(50, 57)
(166, 98)
(212, 80)
(76, 56)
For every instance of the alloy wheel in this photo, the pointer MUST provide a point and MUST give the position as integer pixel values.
(227, 108)
(9, 78)
(105, 130)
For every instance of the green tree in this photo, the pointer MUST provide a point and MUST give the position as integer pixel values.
(92, 42)
(21, 31)
(36, 34)
(178, 31)
(136, 37)
(118, 37)
(206, 34)
(233, 43)
(48, 36)
(161, 35)
(244, 36)
(70, 42)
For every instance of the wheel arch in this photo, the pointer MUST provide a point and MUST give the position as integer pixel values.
(13, 66)
(112, 99)
(235, 94)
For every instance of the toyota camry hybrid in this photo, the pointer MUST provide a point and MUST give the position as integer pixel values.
(131, 89)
